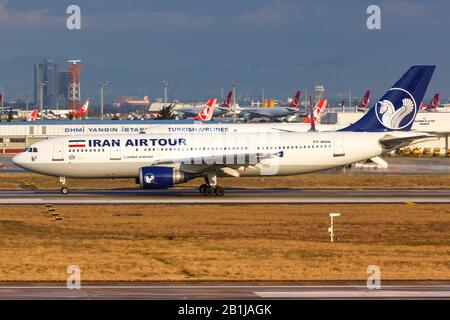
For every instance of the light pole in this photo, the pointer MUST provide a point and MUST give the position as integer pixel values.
(234, 84)
(2, 97)
(57, 102)
(41, 96)
(166, 84)
(103, 84)
(350, 97)
(263, 98)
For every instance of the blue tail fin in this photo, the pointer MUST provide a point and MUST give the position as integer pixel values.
(398, 107)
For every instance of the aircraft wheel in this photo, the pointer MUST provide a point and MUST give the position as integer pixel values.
(219, 191)
(208, 191)
(202, 188)
(64, 190)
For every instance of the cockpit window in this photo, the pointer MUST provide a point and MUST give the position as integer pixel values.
(35, 150)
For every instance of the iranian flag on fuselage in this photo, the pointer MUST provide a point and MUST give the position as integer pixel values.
(77, 143)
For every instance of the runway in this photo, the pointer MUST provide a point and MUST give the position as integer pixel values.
(227, 291)
(232, 196)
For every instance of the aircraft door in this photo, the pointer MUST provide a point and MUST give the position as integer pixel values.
(58, 151)
(339, 150)
(115, 153)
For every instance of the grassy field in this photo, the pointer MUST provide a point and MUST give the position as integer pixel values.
(281, 242)
(17, 181)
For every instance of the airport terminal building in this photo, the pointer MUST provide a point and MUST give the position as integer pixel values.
(15, 136)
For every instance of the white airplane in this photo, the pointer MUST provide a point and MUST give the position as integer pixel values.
(272, 113)
(162, 160)
(64, 114)
(186, 113)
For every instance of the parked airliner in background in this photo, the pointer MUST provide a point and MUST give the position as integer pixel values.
(33, 115)
(185, 113)
(272, 113)
(207, 111)
(163, 160)
(364, 104)
(65, 114)
(433, 104)
(318, 109)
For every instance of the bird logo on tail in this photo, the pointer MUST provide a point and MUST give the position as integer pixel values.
(207, 111)
(400, 116)
(320, 106)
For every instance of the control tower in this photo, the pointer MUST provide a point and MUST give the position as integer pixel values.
(73, 95)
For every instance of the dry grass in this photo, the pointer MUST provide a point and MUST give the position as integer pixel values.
(212, 242)
(15, 181)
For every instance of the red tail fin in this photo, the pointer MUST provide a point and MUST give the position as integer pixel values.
(365, 101)
(294, 103)
(435, 102)
(207, 111)
(33, 115)
(82, 111)
(320, 106)
(227, 102)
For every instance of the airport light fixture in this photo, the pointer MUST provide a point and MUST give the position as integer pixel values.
(103, 84)
(57, 101)
(330, 229)
(2, 96)
(263, 97)
(166, 84)
(234, 84)
(41, 83)
(350, 98)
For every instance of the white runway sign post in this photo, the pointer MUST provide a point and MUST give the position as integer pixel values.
(330, 229)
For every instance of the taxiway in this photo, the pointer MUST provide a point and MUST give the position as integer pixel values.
(232, 196)
(411, 290)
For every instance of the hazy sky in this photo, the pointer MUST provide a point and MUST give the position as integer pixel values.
(166, 35)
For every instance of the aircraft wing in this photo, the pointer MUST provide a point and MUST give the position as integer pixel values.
(185, 113)
(260, 113)
(229, 164)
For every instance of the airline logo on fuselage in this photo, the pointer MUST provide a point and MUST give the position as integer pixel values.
(152, 142)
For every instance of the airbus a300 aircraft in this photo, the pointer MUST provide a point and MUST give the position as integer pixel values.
(64, 114)
(163, 160)
(185, 113)
(272, 113)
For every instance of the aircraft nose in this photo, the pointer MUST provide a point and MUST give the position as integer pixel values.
(19, 160)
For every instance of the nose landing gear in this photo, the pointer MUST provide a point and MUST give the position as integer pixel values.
(64, 189)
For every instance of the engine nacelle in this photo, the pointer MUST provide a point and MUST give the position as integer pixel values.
(161, 177)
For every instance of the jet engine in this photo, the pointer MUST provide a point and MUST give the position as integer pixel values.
(162, 177)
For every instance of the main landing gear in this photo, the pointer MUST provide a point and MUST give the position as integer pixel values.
(211, 186)
(64, 189)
